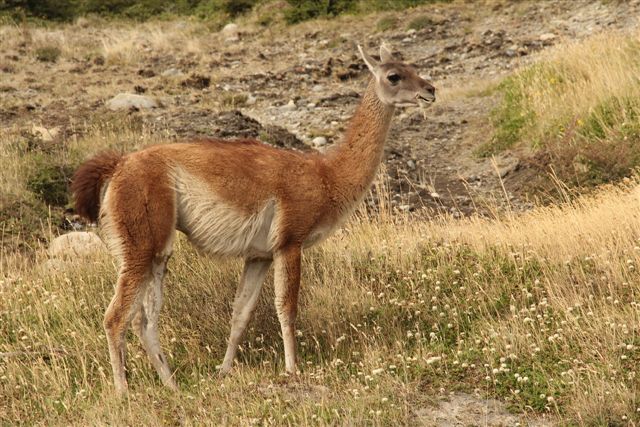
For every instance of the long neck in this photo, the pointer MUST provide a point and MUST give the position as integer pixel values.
(355, 160)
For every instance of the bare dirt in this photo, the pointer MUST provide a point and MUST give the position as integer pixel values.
(465, 410)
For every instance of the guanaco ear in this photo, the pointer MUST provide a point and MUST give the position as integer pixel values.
(371, 63)
(385, 54)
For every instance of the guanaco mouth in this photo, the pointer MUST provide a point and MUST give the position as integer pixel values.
(422, 98)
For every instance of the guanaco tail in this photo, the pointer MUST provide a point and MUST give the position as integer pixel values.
(233, 198)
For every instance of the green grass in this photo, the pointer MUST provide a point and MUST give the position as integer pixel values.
(581, 106)
(512, 118)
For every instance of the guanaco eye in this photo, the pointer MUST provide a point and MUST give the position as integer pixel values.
(393, 78)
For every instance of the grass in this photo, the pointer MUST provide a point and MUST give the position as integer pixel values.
(540, 311)
(581, 103)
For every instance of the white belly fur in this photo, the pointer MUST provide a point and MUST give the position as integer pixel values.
(215, 227)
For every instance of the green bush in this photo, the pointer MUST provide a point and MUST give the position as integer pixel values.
(299, 10)
(48, 53)
(67, 10)
(591, 145)
(377, 5)
(420, 22)
(302, 10)
(49, 180)
(56, 10)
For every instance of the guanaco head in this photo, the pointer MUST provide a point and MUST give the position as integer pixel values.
(398, 83)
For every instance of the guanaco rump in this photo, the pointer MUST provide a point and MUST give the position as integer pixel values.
(233, 198)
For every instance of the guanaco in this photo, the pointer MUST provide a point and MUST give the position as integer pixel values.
(233, 198)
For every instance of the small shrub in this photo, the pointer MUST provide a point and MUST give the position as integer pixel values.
(387, 23)
(265, 20)
(303, 10)
(55, 10)
(420, 22)
(223, 8)
(233, 100)
(377, 5)
(48, 53)
(49, 181)
(197, 81)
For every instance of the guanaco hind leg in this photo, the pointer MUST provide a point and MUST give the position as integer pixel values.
(145, 324)
(139, 220)
(124, 305)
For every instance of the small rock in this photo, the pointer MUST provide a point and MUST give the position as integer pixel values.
(319, 141)
(546, 37)
(45, 134)
(126, 101)
(231, 32)
(230, 28)
(311, 105)
(251, 100)
(507, 165)
(411, 164)
(510, 53)
(172, 72)
(317, 88)
(291, 106)
(77, 244)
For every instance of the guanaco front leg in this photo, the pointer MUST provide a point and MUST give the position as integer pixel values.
(287, 285)
(247, 294)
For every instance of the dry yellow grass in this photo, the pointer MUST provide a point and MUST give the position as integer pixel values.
(578, 77)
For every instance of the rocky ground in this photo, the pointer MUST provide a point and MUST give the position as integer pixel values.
(298, 86)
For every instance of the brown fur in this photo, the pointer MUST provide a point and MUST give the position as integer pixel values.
(275, 201)
(88, 181)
